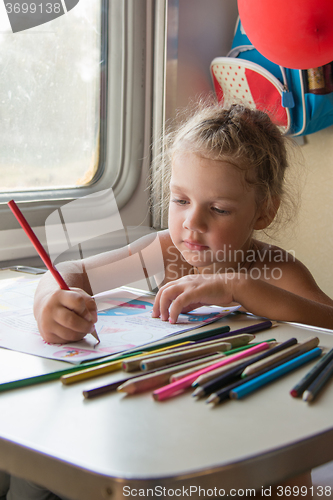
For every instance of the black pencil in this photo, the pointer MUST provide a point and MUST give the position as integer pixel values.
(304, 383)
(225, 378)
(113, 386)
(258, 327)
(224, 393)
(316, 386)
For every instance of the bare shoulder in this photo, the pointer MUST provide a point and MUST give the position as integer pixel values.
(270, 254)
(285, 271)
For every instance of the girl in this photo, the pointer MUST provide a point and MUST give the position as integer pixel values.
(227, 171)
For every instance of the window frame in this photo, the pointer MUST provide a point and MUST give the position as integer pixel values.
(122, 140)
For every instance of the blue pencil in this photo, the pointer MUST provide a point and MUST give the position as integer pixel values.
(279, 371)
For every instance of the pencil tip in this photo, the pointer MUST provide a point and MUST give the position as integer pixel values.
(213, 398)
(307, 396)
(197, 393)
(95, 335)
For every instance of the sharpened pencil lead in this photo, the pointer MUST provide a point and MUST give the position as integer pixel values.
(94, 334)
(198, 393)
(307, 396)
(213, 398)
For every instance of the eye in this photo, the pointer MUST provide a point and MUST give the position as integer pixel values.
(220, 211)
(179, 202)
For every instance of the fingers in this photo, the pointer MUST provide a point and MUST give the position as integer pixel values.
(163, 302)
(67, 316)
(190, 292)
(81, 303)
(56, 334)
(159, 301)
(173, 299)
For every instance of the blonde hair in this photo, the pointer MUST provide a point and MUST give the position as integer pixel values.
(245, 138)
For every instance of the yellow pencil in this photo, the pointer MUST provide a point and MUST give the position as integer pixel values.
(95, 371)
(102, 369)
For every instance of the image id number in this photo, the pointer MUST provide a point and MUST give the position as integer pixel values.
(33, 8)
(302, 491)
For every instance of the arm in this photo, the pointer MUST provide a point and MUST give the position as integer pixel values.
(68, 315)
(271, 301)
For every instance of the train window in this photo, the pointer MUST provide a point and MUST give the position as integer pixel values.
(72, 106)
(50, 102)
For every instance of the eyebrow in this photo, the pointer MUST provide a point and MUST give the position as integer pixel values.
(216, 198)
(173, 186)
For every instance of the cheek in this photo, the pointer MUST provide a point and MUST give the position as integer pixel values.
(225, 235)
(174, 222)
(175, 216)
(232, 233)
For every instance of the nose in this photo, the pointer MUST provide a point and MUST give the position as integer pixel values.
(195, 220)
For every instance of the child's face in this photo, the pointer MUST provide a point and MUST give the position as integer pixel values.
(212, 211)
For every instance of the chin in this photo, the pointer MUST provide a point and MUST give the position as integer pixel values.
(194, 259)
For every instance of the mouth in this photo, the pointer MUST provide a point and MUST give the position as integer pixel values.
(194, 245)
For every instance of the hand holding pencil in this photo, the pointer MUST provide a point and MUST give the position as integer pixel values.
(63, 314)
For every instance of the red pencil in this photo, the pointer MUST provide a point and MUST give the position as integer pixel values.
(41, 252)
(36, 243)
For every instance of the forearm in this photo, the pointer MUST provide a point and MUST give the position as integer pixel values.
(263, 299)
(68, 315)
(76, 273)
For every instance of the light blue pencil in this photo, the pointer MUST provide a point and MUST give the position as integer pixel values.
(279, 371)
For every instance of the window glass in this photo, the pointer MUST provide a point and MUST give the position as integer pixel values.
(50, 90)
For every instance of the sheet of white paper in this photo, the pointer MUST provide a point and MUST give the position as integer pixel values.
(124, 322)
(17, 293)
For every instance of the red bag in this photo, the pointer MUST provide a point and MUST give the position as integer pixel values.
(237, 80)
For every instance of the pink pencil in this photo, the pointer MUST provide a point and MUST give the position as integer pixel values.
(170, 390)
(40, 250)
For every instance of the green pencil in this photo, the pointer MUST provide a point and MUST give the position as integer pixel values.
(47, 377)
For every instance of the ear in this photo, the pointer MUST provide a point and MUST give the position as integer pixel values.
(266, 214)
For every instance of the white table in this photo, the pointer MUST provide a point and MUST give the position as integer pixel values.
(110, 446)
